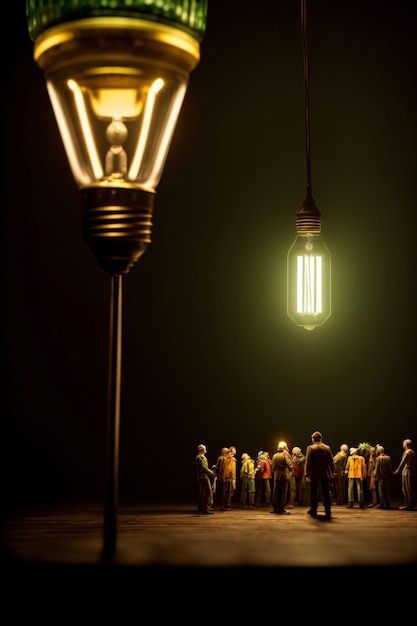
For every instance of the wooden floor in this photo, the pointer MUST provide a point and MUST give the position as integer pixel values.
(177, 536)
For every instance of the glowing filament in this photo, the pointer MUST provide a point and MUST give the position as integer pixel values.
(309, 284)
(146, 125)
(87, 130)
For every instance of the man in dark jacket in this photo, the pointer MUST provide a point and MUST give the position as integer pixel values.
(281, 468)
(319, 471)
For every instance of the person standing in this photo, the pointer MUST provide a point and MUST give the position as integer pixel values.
(297, 495)
(319, 472)
(407, 467)
(232, 452)
(339, 482)
(356, 475)
(258, 482)
(225, 478)
(218, 485)
(282, 468)
(263, 478)
(204, 474)
(382, 475)
(370, 471)
(247, 478)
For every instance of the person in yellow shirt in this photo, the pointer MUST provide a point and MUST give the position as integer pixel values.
(356, 474)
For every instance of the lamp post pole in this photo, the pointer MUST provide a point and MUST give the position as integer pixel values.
(113, 421)
(116, 77)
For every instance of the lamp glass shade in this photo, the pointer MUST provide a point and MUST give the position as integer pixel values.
(309, 281)
(116, 86)
(117, 73)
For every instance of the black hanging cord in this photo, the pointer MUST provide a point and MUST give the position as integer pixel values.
(306, 94)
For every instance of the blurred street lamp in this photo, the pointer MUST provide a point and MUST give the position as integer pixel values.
(116, 74)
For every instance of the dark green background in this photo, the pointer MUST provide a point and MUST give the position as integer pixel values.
(209, 354)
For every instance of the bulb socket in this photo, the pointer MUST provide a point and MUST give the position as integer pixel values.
(308, 218)
(117, 225)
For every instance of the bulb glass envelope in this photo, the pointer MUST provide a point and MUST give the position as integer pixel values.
(309, 281)
(116, 85)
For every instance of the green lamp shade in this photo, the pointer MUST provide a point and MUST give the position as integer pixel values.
(188, 15)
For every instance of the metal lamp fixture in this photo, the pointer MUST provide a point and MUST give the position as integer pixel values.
(116, 74)
(308, 260)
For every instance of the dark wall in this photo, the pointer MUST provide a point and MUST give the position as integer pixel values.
(209, 354)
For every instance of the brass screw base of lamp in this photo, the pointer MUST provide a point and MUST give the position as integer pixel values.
(117, 225)
(308, 218)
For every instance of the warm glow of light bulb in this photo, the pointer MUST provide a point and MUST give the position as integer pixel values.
(117, 77)
(146, 125)
(111, 71)
(308, 260)
(87, 129)
(309, 284)
(120, 103)
(308, 281)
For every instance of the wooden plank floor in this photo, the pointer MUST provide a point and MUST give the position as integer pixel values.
(168, 536)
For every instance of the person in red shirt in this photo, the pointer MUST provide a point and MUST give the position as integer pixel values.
(263, 473)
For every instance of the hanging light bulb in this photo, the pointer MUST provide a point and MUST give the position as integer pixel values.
(308, 260)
